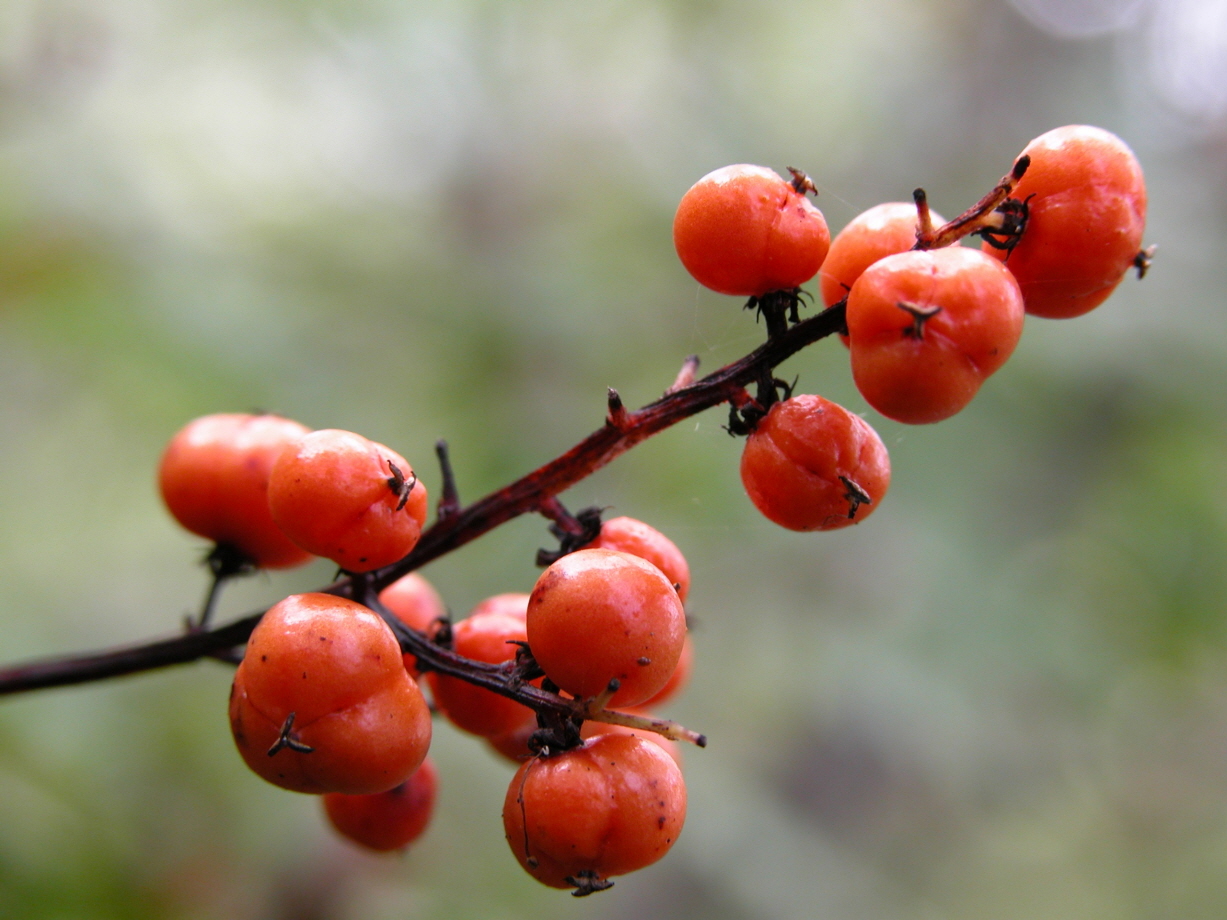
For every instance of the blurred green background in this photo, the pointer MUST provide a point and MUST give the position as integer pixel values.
(1004, 695)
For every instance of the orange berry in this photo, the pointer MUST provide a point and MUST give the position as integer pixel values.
(677, 680)
(597, 614)
(1086, 202)
(883, 230)
(339, 495)
(639, 539)
(743, 230)
(813, 465)
(926, 329)
(612, 806)
(386, 821)
(322, 687)
(415, 602)
(214, 479)
(488, 634)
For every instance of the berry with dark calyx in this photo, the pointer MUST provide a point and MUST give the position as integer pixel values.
(321, 701)
(1084, 200)
(352, 500)
(597, 615)
(813, 465)
(882, 231)
(611, 806)
(639, 539)
(926, 328)
(490, 633)
(214, 480)
(743, 230)
(386, 821)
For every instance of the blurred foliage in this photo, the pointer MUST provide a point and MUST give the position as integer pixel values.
(1003, 696)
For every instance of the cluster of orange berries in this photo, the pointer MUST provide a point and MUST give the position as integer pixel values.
(325, 702)
(926, 321)
(328, 700)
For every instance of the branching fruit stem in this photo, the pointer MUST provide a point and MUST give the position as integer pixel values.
(457, 526)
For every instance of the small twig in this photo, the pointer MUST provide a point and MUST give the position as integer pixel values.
(685, 377)
(924, 217)
(618, 417)
(224, 563)
(977, 215)
(674, 731)
(449, 499)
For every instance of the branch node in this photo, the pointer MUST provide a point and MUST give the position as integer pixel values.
(617, 416)
(573, 531)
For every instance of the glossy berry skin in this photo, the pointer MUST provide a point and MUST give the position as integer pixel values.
(612, 806)
(794, 460)
(924, 370)
(677, 680)
(386, 821)
(742, 230)
(330, 493)
(591, 729)
(487, 634)
(414, 601)
(1086, 200)
(214, 480)
(628, 535)
(335, 665)
(883, 230)
(598, 614)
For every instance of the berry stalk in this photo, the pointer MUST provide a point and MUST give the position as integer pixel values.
(459, 526)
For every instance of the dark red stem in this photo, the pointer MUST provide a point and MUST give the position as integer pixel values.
(457, 528)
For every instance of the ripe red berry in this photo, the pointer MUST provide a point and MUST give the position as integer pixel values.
(813, 465)
(339, 495)
(598, 614)
(1086, 204)
(677, 680)
(386, 821)
(514, 745)
(321, 701)
(637, 538)
(415, 602)
(591, 729)
(214, 480)
(488, 634)
(883, 230)
(612, 806)
(926, 329)
(743, 230)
